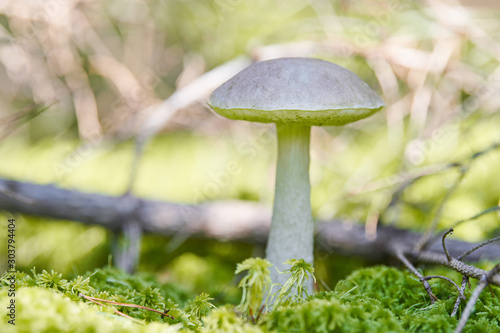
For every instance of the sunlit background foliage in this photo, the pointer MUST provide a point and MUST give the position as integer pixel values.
(78, 78)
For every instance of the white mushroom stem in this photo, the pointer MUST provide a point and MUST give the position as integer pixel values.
(292, 228)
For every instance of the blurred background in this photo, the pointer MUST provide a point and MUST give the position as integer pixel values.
(80, 81)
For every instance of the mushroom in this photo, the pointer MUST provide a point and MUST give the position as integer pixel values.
(294, 93)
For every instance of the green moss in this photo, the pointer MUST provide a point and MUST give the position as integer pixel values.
(395, 290)
(225, 319)
(114, 285)
(333, 315)
(405, 296)
(433, 318)
(377, 299)
(42, 310)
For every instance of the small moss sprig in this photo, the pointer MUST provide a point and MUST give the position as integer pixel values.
(299, 271)
(256, 284)
(200, 306)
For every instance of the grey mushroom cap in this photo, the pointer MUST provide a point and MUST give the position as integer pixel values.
(296, 90)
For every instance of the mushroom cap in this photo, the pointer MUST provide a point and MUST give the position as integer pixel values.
(296, 90)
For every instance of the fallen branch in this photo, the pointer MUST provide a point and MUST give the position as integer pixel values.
(240, 221)
(229, 220)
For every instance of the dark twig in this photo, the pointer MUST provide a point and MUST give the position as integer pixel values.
(127, 242)
(138, 150)
(406, 179)
(460, 257)
(465, 281)
(474, 217)
(450, 231)
(484, 151)
(461, 291)
(10, 124)
(457, 265)
(409, 265)
(409, 177)
(430, 277)
(427, 238)
(470, 304)
(424, 241)
(478, 215)
(483, 283)
(467, 271)
(420, 252)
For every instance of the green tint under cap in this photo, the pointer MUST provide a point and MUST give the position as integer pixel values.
(296, 90)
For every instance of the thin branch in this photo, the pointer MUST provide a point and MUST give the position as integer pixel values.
(404, 179)
(465, 281)
(428, 238)
(460, 290)
(460, 257)
(470, 271)
(474, 217)
(138, 150)
(483, 283)
(237, 221)
(423, 242)
(12, 123)
(409, 177)
(409, 265)
(450, 231)
(484, 151)
(478, 215)
(430, 277)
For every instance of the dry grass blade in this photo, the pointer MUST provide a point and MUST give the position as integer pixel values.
(94, 299)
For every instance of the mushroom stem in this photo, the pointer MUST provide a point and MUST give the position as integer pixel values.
(292, 228)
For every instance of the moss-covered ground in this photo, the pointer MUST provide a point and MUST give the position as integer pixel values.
(376, 299)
